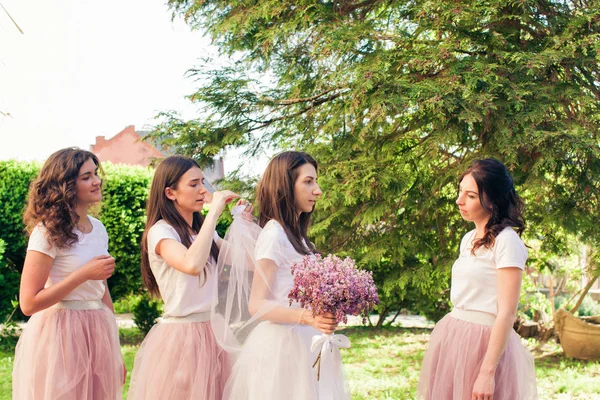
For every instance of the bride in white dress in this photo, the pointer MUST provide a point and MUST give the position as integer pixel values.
(269, 338)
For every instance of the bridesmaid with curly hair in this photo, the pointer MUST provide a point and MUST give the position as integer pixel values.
(473, 352)
(70, 346)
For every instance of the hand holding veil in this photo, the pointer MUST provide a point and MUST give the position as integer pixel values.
(236, 267)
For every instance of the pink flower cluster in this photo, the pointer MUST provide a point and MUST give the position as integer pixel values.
(333, 285)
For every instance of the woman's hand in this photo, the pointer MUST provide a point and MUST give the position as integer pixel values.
(248, 213)
(484, 387)
(98, 268)
(325, 323)
(220, 198)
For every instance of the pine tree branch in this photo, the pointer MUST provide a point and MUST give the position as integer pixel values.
(299, 100)
(265, 124)
(590, 80)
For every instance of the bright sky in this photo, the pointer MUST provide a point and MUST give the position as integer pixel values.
(86, 68)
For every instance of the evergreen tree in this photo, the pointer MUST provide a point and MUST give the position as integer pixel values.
(394, 99)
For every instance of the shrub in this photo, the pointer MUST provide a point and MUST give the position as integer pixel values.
(123, 214)
(127, 303)
(146, 312)
(589, 307)
(15, 177)
(122, 211)
(132, 336)
(9, 285)
(533, 305)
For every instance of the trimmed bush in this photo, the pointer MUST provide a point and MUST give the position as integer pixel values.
(146, 312)
(15, 177)
(122, 211)
(126, 304)
(123, 214)
(9, 286)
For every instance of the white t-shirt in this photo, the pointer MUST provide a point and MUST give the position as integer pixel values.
(182, 294)
(273, 244)
(66, 261)
(474, 277)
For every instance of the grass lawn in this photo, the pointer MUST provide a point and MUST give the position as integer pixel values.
(385, 363)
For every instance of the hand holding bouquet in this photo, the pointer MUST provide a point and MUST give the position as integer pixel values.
(332, 285)
(336, 286)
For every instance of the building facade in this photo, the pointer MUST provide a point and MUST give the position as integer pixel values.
(127, 147)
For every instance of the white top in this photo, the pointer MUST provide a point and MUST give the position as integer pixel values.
(273, 244)
(66, 261)
(474, 278)
(182, 294)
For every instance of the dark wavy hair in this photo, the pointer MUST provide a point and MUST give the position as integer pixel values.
(167, 174)
(53, 198)
(498, 198)
(275, 198)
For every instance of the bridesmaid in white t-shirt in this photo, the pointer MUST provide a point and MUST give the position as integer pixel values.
(70, 346)
(473, 352)
(180, 358)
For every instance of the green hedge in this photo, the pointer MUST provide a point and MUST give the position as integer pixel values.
(9, 285)
(14, 184)
(15, 177)
(123, 214)
(125, 191)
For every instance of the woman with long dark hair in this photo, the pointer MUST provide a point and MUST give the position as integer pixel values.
(473, 352)
(275, 359)
(70, 346)
(179, 358)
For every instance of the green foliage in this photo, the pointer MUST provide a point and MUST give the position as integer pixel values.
(589, 307)
(9, 284)
(9, 336)
(15, 178)
(9, 330)
(394, 99)
(123, 214)
(131, 336)
(533, 304)
(145, 312)
(126, 303)
(122, 211)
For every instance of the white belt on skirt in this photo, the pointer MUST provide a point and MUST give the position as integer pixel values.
(477, 317)
(195, 317)
(80, 304)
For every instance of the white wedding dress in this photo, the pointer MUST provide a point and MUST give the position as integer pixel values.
(274, 361)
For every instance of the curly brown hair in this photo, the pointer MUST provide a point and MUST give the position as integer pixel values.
(52, 197)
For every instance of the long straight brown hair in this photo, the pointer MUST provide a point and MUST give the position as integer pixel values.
(275, 198)
(167, 175)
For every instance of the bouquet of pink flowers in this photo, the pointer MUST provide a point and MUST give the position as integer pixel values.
(333, 285)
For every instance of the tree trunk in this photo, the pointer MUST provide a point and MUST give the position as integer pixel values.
(551, 295)
(585, 291)
(382, 315)
(393, 319)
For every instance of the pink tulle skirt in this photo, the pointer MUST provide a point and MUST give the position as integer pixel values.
(69, 354)
(454, 356)
(181, 361)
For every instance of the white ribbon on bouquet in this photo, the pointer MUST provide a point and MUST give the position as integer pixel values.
(329, 364)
